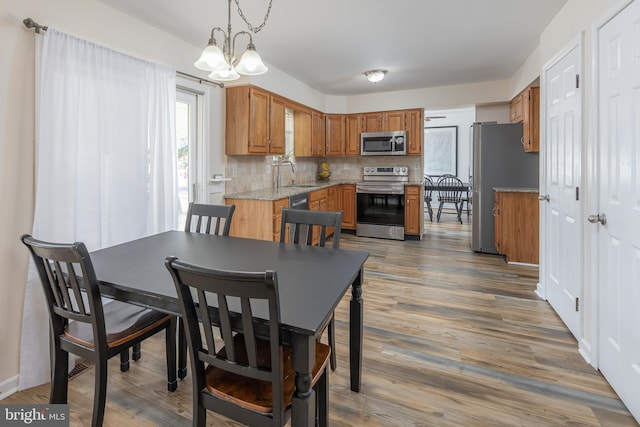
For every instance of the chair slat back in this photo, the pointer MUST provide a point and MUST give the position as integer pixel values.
(428, 187)
(450, 189)
(201, 218)
(66, 271)
(238, 296)
(303, 222)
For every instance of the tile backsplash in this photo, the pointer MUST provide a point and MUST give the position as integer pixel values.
(250, 173)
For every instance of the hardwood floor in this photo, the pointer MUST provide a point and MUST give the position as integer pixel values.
(451, 338)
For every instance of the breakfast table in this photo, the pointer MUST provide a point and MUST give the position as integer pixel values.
(311, 282)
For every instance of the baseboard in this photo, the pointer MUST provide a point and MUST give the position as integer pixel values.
(9, 386)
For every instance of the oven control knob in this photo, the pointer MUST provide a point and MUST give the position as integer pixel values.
(403, 170)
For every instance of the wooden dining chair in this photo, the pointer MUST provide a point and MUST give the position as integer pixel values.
(450, 189)
(82, 325)
(428, 195)
(300, 224)
(247, 376)
(200, 219)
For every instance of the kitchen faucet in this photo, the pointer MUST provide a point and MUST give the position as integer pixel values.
(281, 161)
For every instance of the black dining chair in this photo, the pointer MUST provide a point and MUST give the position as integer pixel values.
(428, 195)
(200, 219)
(300, 224)
(247, 376)
(467, 200)
(82, 325)
(450, 189)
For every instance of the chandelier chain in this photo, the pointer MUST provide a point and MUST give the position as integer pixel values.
(251, 27)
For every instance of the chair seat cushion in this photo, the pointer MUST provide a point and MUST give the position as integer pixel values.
(257, 394)
(123, 322)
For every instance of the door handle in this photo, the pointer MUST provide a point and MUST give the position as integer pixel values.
(600, 218)
(544, 198)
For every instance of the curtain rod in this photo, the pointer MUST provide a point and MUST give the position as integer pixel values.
(30, 23)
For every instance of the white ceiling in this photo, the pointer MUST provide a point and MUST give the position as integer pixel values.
(328, 44)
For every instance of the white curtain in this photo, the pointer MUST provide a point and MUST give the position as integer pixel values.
(105, 166)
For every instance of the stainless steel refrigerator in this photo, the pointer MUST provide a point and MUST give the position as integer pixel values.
(497, 160)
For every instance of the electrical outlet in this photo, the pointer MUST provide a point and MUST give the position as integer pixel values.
(234, 171)
(416, 166)
(267, 169)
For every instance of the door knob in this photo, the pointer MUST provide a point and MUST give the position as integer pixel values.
(544, 198)
(594, 219)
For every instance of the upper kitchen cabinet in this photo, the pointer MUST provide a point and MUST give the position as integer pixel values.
(335, 134)
(255, 121)
(317, 133)
(415, 130)
(525, 108)
(353, 130)
(302, 132)
(383, 121)
(372, 122)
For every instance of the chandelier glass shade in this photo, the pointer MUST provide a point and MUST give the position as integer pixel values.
(222, 62)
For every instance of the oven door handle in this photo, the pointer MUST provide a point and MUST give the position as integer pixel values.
(379, 191)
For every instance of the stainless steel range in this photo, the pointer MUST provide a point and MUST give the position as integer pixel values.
(380, 196)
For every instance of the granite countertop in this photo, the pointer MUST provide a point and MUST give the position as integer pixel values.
(284, 192)
(515, 190)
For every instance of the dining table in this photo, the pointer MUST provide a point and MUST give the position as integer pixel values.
(311, 283)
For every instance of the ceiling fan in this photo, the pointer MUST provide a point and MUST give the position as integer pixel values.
(429, 118)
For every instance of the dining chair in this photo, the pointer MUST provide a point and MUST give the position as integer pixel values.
(301, 224)
(450, 189)
(200, 218)
(82, 325)
(467, 199)
(248, 375)
(428, 195)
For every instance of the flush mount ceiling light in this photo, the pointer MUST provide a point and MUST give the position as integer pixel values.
(222, 62)
(374, 76)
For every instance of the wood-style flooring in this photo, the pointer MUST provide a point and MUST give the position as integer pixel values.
(451, 338)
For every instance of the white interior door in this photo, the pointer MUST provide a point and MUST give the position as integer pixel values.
(619, 200)
(562, 273)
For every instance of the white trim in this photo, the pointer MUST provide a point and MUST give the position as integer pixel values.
(593, 180)
(9, 386)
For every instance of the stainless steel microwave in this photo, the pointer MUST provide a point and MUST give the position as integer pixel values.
(383, 143)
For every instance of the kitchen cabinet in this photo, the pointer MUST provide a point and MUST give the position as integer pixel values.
(525, 108)
(393, 120)
(257, 219)
(255, 121)
(413, 211)
(302, 133)
(348, 206)
(317, 134)
(332, 203)
(353, 130)
(318, 201)
(515, 109)
(415, 130)
(531, 120)
(334, 134)
(372, 122)
(516, 225)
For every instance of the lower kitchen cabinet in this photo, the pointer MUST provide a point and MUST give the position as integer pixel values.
(516, 222)
(413, 211)
(257, 219)
(348, 206)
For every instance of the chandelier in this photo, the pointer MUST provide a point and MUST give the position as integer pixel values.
(222, 62)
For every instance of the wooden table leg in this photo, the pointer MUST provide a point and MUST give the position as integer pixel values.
(303, 410)
(355, 333)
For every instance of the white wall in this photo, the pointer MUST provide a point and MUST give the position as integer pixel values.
(462, 118)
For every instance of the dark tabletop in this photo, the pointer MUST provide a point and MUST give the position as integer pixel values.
(311, 280)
